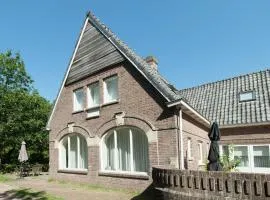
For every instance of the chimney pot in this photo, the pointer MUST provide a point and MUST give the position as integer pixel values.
(152, 61)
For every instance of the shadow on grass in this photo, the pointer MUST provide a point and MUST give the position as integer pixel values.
(147, 194)
(23, 194)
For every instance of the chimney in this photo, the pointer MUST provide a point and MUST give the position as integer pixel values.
(152, 61)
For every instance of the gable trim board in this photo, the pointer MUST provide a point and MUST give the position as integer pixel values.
(158, 81)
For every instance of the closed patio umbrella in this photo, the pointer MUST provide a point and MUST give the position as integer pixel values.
(213, 156)
(23, 154)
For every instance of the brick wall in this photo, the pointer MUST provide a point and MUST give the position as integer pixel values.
(143, 107)
(177, 184)
(196, 133)
(246, 135)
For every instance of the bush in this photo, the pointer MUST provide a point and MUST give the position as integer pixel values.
(8, 168)
(229, 164)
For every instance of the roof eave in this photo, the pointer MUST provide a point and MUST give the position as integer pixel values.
(186, 108)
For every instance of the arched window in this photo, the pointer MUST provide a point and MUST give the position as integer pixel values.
(73, 152)
(125, 150)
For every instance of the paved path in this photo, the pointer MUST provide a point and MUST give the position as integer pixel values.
(40, 186)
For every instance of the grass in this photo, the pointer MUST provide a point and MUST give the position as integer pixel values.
(4, 178)
(94, 187)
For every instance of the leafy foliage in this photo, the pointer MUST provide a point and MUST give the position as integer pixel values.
(23, 113)
(228, 162)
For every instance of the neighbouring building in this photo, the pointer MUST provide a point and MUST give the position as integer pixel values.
(241, 106)
(115, 116)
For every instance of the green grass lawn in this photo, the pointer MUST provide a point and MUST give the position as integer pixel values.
(4, 178)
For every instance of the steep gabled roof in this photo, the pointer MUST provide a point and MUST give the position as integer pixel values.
(219, 101)
(119, 50)
(146, 70)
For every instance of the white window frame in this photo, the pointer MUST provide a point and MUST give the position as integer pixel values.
(61, 145)
(93, 110)
(251, 167)
(105, 91)
(246, 96)
(116, 156)
(90, 101)
(200, 148)
(189, 149)
(75, 100)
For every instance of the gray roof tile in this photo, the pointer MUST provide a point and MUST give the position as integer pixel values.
(219, 101)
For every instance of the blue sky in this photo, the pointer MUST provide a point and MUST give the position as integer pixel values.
(195, 41)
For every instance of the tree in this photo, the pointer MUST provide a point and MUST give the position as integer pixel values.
(23, 113)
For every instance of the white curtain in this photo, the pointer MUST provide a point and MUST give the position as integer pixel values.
(120, 158)
(241, 153)
(93, 95)
(111, 89)
(110, 153)
(73, 152)
(140, 151)
(78, 99)
(83, 154)
(261, 156)
(123, 149)
(64, 154)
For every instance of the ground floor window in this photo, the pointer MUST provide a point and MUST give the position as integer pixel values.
(253, 158)
(73, 152)
(125, 150)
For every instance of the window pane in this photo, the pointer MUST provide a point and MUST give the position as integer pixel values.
(93, 95)
(111, 89)
(246, 96)
(109, 165)
(73, 152)
(78, 100)
(64, 154)
(241, 153)
(123, 148)
(83, 154)
(261, 156)
(200, 152)
(140, 151)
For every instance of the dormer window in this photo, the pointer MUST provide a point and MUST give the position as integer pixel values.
(247, 96)
(78, 97)
(111, 89)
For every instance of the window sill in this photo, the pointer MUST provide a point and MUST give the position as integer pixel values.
(201, 163)
(132, 175)
(92, 117)
(73, 171)
(110, 103)
(92, 107)
(78, 111)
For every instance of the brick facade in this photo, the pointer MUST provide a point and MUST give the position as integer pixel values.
(143, 107)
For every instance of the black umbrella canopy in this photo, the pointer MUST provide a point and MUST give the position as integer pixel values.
(213, 156)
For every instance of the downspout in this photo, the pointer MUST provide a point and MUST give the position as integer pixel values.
(181, 143)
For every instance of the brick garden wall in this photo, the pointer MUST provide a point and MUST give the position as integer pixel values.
(177, 184)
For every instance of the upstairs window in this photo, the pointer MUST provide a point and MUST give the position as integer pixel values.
(111, 89)
(78, 97)
(247, 96)
(93, 95)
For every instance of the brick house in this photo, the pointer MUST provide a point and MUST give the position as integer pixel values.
(115, 116)
(241, 106)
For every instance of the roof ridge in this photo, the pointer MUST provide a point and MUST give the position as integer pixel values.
(225, 79)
